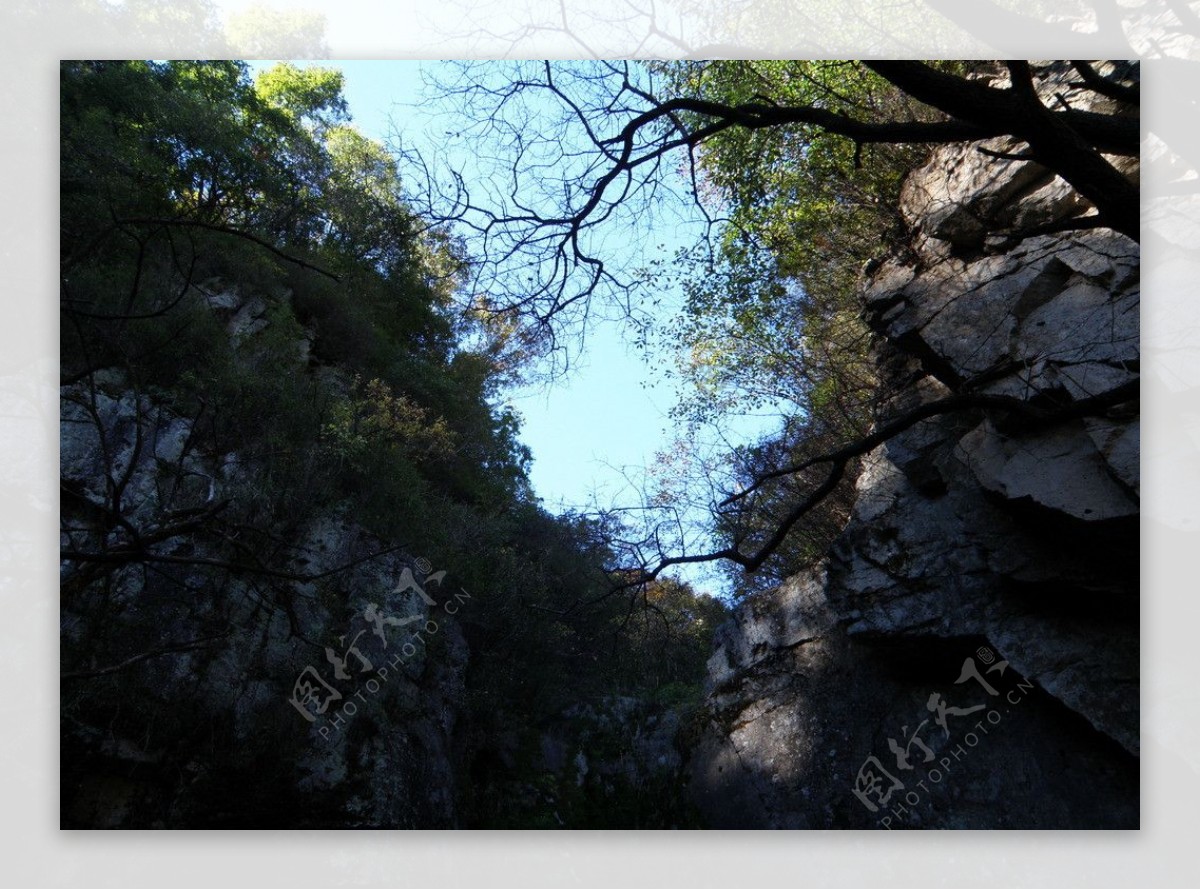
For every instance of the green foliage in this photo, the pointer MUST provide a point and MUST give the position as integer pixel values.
(771, 320)
(197, 207)
(374, 423)
(303, 93)
(774, 314)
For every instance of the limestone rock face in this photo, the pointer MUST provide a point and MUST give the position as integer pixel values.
(988, 577)
(247, 722)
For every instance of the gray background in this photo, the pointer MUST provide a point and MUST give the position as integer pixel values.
(35, 35)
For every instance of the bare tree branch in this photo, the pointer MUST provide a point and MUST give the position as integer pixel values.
(1032, 416)
(169, 649)
(1105, 86)
(229, 230)
(1058, 141)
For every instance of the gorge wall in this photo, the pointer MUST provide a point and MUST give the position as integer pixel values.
(967, 655)
(195, 695)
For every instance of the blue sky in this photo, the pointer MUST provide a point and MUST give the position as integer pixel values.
(599, 420)
(594, 431)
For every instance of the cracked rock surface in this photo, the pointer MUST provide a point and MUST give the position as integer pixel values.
(977, 537)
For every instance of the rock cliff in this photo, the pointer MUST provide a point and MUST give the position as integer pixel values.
(967, 655)
(225, 669)
(197, 695)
